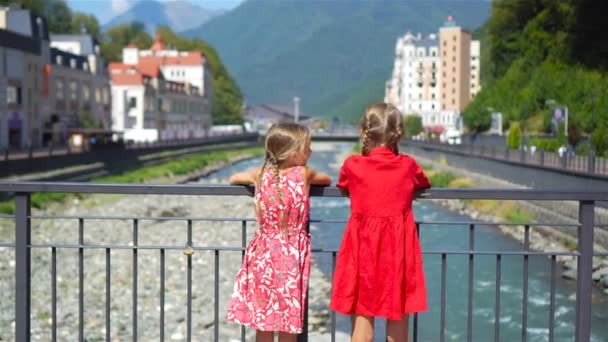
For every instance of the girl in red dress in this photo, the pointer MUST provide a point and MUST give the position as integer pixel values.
(270, 290)
(379, 267)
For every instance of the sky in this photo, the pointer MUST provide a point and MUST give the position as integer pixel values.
(107, 9)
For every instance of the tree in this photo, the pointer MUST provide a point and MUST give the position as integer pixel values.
(600, 140)
(477, 117)
(514, 135)
(122, 35)
(86, 21)
(58, 15)
(413, 125)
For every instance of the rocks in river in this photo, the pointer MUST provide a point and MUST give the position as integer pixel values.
(569, 274)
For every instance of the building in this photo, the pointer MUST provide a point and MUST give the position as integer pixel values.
(24, 50)
(79, 92)
(435, 76)
(455, 47)
(161, 94)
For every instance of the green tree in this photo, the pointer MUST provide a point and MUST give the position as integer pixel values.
(600, 140)
(120, 36)
(58, 15)
(87, 120)
(413, 125)
(88, 22)
(514, 135)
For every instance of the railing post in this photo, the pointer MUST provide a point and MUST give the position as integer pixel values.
(303, 337)
(591, 162)
(542, 157)
(507, 150)
(22, 267)
(584, 271)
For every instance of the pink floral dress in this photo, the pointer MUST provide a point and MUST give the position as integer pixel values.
(270, 289)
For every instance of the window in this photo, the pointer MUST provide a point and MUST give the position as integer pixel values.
(13, 95)
(433, 106)
(453, 101)
(73, 63)
(106, 96)
(59, 92)
(74, 91)
(454, 69)
(98, 95)
(433, 96)
(86, 93)
(132, 102)
(59, 60)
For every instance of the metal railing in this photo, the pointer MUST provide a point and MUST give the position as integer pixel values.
(7, 154)
(23, 247)
(576, 164)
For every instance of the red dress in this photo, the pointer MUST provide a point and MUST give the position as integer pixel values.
(379, 267)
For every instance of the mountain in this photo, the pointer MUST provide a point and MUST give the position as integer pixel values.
(335, 55)
(179, 15)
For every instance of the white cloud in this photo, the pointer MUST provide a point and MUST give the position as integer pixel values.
(120, 6)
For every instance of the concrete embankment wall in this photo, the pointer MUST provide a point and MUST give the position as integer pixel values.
(113, 160)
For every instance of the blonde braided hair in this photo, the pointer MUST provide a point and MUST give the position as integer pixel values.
(283, 141)
(382, 124)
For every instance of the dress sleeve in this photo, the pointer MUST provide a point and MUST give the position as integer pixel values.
(420, 179)
(343, 177)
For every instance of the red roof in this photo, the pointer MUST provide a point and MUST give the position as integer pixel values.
(123, 74)
(132, 46)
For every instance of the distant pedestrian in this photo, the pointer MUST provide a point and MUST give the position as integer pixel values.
(379, 268)
(270, 290)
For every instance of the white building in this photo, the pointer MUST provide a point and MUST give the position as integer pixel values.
(161, 94)
(24, 52)
(429, 76)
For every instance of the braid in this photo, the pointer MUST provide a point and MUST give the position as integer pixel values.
(366, 138)
(277, 184)
(256, 204)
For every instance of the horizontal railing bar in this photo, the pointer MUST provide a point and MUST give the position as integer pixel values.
(314, 250)
(501, 252)
(5, 216)
(7, 244)
(229, 190)
(250, 219)
(145, 218)
(486, 223)
(600, 254)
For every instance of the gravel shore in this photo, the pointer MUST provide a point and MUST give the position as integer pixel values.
(151, 232)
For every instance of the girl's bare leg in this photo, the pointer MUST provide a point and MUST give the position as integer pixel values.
(363, 328)
(398, 331)
(264, 336)
(287, 337)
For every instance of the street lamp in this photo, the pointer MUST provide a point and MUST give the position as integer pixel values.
(296, 109)
(554, 103)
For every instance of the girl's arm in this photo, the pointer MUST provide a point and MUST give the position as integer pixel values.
(421, 181)
(317, 178)
(248, 177)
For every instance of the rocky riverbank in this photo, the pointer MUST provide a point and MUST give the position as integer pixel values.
(542, 238)
(170, 232)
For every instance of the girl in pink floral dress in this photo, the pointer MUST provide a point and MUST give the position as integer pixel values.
(270, 289)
